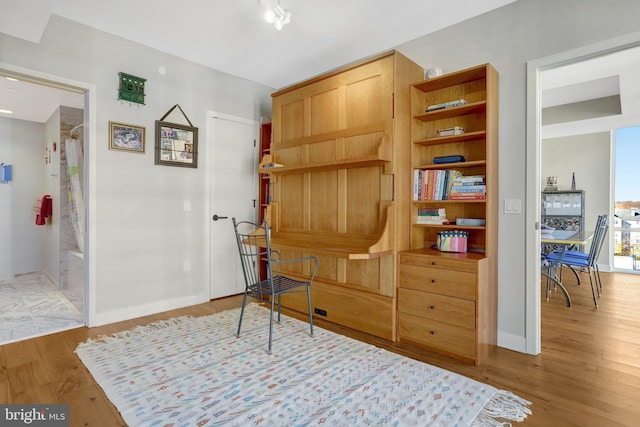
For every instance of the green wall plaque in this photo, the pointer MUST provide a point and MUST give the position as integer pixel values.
(131, 88)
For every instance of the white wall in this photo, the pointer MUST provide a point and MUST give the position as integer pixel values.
(589, 156)
(50, 249)
(508, 38)
(141, 232)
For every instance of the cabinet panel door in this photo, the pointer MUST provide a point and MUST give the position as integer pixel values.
(438, 281)
(437, 334)
(456, 311)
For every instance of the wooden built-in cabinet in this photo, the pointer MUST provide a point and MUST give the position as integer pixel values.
(341, 190)
(448, 301)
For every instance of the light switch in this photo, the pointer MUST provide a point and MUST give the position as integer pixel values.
(512, 206)
(187, 205)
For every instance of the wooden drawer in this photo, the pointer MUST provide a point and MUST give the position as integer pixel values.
(437, 335)
(439, 281)
(455, 311)
(438, 262)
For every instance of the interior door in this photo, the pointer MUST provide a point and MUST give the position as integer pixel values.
(234, 163)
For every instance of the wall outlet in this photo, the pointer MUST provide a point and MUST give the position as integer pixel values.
(320, 311)
(186, 265)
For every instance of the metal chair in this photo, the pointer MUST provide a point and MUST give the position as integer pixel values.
(590, 262)
(254, 245)
(585, 255)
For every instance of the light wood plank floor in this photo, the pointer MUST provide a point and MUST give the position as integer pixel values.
(587, 375)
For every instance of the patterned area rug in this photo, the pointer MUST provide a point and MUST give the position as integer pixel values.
(193, 371)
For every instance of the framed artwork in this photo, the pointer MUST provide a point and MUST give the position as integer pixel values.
(176, 145)
(126, 137)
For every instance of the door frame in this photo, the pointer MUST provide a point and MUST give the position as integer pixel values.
(533, 171)
(90, 160)
(209, 115)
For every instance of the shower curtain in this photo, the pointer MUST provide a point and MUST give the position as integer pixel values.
(75, 160)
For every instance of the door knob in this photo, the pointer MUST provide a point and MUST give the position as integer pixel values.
(216, 217)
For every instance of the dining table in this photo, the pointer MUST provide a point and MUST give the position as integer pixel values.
(563, 240)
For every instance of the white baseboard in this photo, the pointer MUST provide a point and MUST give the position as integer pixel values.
(147, 309)
(512, 342)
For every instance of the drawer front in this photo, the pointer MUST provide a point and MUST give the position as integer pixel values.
(438, 262)
(437, 335)
(438, 281)
(454, 311)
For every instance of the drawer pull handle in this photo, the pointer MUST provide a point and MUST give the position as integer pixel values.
(433, 263)
(433, 280)
(433, 307)
(433, 332)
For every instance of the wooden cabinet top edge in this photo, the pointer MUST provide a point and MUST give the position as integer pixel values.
(335, 71)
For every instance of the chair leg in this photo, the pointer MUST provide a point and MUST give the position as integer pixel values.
(309, 306)
(271, 324)
(244, 300)
(593, 289)
(575, 273)
(599, 280)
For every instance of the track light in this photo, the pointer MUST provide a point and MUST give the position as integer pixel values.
(276, 14)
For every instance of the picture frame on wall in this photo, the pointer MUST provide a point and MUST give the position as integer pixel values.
(176, 145)
(125, 137)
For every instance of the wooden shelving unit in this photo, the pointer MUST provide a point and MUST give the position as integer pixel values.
(433, 285)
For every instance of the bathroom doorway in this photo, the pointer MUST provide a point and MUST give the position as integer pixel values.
(43, 271)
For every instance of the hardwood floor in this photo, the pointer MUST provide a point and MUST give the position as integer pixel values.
(588, 373)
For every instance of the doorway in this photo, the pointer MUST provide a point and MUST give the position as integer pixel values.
(232, 183)
(625, 225)
(68, 104)
(533, 179)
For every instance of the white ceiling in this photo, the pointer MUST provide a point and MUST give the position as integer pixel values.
(232, 36)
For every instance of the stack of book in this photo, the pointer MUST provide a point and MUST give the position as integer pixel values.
(433, 184)
(470, 187)
(432, 216)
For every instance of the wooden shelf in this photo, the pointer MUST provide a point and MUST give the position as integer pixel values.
(445, 113)
(317, 167)
(450, 226)
(457, 165)
(449, 201)
(378, 156)
(339, 245)
(469, 136)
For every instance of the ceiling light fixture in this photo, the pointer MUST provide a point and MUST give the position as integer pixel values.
(276, 14)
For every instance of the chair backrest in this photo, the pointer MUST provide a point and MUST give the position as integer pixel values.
(602, 225)
(247, 236)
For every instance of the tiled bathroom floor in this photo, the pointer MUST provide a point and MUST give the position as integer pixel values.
(30, 306)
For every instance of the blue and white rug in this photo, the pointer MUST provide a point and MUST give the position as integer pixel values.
(193, 371)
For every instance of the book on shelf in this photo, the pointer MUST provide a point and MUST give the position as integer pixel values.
(449, 104)
(469, 180)
(447, 184)
(480, 188)
(432, 216)
(468, 196)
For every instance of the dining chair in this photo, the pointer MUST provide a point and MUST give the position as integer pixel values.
(589, 263)
(600, 233)
(269, 283)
